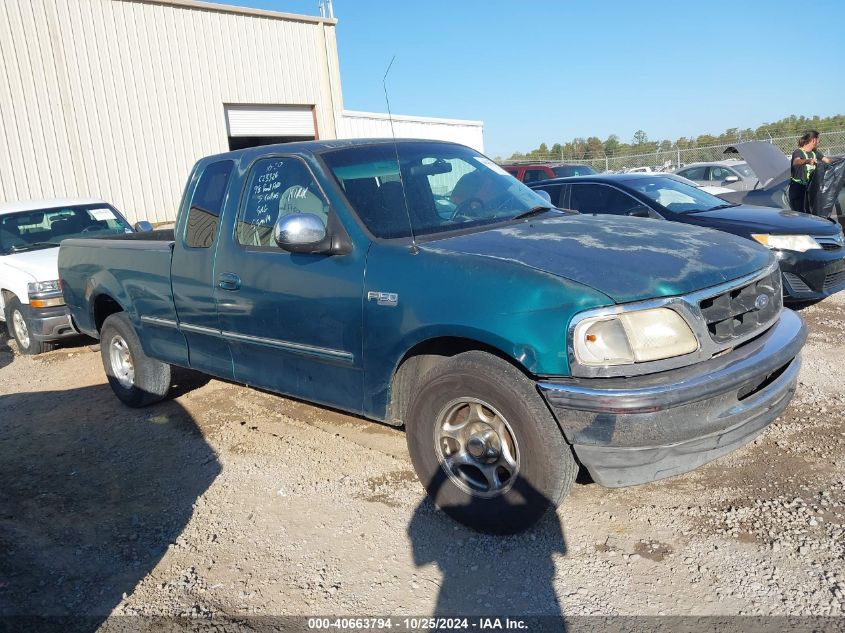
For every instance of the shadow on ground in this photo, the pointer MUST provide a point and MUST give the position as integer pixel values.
(6, 353)
(486, 575)
(91, 495)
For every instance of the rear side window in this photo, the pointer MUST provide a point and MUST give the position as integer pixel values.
(601, 199)
(534, 175)
(206, 204)
(557, 194)
(566, 171)
(693, 173)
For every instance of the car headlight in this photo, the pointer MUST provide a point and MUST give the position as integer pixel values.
(632, 337)
(799, 243)
(45, 294)
(44, 287)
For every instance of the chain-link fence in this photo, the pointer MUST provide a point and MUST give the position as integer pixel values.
(832, 144)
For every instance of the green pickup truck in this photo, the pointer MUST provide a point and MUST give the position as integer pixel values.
(418, 284)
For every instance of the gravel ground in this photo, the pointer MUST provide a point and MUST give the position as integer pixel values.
(229, 501)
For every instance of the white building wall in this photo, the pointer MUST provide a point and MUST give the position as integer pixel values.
(118, 98)
(353, 124)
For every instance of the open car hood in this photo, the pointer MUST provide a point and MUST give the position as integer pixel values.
(767, 161)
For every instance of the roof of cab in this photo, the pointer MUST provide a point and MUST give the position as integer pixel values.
(316, 147)
(38, 205)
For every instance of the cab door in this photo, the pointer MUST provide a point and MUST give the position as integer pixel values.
(192, 270)
(293, 321)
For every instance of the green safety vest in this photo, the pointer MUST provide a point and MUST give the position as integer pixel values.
(809, 168)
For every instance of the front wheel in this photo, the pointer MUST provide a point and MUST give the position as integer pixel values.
(136, 379)
(19, 329)
(485, 445)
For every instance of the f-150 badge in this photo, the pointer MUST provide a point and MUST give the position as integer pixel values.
(384, 298)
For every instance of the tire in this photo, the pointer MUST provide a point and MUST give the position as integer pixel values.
(136, 379)
(20, 329)
(449, 421)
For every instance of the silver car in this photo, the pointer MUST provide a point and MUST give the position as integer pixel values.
(733, 174)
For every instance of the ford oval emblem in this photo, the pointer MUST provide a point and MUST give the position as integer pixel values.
(761, 302)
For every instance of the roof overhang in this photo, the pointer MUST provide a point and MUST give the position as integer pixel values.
(227, 8)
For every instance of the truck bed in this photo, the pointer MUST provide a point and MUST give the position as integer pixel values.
(132, 270)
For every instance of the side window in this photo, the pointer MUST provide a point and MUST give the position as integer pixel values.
(719, 173)
(601, 199)
(276, 187)
(556, 192)
(206, 204)
(533, 175)
(693, 173)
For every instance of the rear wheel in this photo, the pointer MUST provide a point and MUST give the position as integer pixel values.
(485, 445)
(136, 379)
(19, 328)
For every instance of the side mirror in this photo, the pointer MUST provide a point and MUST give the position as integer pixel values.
(732, 179)
(545, 195)
(639, 212)
(142, 226)
(301, 233)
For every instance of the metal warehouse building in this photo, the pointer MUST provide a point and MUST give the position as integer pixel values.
(118, 98)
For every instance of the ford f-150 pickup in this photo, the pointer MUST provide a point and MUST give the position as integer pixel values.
(416, 283)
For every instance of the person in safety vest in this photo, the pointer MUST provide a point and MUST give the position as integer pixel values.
(804, 160)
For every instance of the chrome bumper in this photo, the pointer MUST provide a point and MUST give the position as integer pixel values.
(628, 431)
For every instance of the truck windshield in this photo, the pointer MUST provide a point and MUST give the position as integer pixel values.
(446, 187)
(46, 228)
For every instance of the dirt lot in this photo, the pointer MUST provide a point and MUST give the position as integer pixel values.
(226, 500)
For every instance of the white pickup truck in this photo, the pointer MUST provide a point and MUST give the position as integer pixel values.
(31, 300)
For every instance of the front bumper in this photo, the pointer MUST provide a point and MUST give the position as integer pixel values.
(50, 324)
(629, 431)
(812, 275)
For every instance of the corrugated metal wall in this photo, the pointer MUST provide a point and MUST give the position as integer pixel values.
(371, 124)
(118, 98)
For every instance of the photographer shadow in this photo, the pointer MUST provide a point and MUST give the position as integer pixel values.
(491, 575)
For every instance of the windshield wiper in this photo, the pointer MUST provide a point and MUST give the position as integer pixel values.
(532, 212)
(718, 206)
(27, 247)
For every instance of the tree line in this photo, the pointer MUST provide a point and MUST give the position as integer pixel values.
(593, 147)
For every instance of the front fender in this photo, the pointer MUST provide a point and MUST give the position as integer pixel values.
(519, 311)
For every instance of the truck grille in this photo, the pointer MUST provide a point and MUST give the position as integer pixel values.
(741, 311)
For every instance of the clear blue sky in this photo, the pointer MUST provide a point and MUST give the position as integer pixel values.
(550, 71)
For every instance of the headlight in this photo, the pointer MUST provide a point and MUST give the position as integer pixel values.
(44, 287)
(45, 294)
(632, 337)
(799, 243)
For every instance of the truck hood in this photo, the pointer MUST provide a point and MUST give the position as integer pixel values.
(41, 265)
(768, 162)
(627, 259)
(751, 219)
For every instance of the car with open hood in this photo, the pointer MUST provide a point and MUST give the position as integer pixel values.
(418, 284)
(809, 249)
(773, 171)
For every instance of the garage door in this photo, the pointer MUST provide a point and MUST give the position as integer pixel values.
(281, 120)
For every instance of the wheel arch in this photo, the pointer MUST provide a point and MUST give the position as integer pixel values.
(103, 305)
(422, 357)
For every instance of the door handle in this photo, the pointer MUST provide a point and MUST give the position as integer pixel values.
(229, 281)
